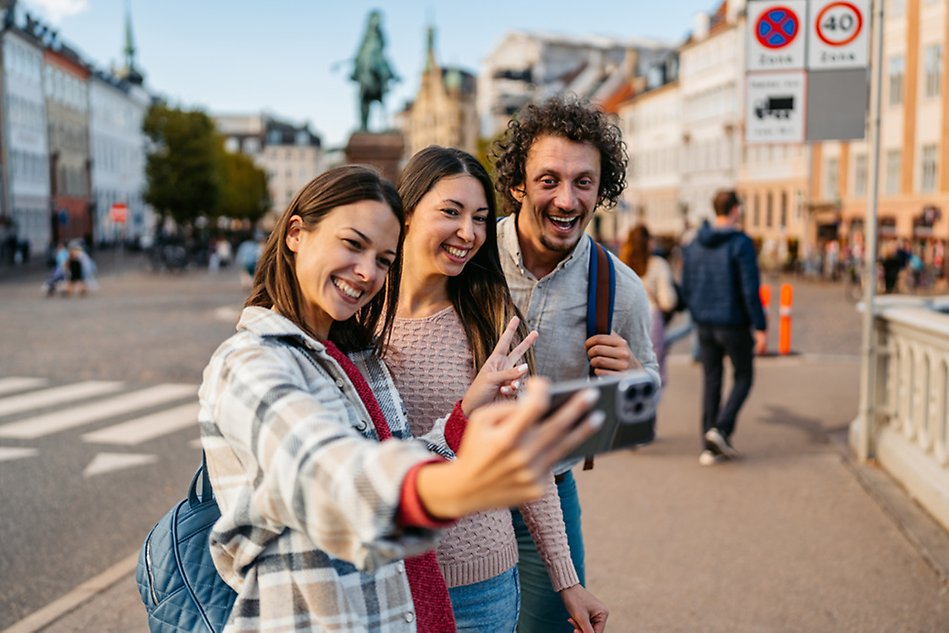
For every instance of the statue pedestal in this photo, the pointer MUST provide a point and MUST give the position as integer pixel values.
(382, 150)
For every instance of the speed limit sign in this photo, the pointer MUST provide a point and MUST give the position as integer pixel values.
(839, 34)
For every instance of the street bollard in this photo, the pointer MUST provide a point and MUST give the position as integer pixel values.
(764, 291)
(784, 326)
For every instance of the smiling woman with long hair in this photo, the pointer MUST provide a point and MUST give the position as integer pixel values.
(454, 307)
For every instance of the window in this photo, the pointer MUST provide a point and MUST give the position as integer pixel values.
(784, 209)
(860, 175)
(756, 210)
(769, 211)
(832, 179)
(896, 80)
(932, 66)
(927, 181)
(893, 166)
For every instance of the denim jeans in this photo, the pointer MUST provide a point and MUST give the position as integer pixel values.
(489, 606)
(717, 342)
(542, 610)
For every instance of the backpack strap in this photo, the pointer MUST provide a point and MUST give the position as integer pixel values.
(601, 299)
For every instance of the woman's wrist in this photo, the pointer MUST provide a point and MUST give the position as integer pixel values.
(438, 490)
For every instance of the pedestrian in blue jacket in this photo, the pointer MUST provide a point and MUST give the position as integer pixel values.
(720, 281)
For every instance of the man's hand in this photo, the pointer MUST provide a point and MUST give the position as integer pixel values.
(761, 341)
(587, 613)
(610, 354)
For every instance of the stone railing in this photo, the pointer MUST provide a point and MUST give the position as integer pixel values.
(909, 433)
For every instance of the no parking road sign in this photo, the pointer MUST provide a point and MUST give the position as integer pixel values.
(839, 34)
(776, 37)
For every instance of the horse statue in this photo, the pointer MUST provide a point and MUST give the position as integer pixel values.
(371, 69)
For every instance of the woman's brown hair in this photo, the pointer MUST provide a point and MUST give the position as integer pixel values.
(479, 293)
(635, 250)
(276, 285)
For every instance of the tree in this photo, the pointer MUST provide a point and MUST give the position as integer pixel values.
(182, 169)
(243, 187)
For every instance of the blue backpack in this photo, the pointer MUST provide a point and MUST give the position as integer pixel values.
(177, 580)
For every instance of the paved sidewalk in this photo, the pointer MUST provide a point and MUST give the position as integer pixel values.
(786, 539)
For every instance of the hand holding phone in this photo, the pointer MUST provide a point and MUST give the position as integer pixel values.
(628, 400)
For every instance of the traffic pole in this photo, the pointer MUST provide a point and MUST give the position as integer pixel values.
(765, 293)
(784, 325)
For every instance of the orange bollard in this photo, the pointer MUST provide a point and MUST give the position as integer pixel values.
(764, 291)
(784, 326)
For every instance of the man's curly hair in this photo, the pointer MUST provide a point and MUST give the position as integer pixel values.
(569, 118)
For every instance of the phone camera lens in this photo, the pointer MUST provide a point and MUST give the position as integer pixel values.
(638, 408)
(647, 390)
(632, 393)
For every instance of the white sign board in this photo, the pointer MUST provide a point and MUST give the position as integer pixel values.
(838, 34)
(776, 35)
(775, 107)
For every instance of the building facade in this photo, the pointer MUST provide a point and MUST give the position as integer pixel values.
(913, 179)
(444, 111)
(26, 146)
(66, 86)
(526, 67)
(117, 111)
(652, 126)
(291, 155)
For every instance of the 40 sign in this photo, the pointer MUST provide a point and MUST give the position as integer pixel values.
(776, 35)
(839, 31)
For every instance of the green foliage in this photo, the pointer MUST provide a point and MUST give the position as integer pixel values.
(243, 188)
(190, 174)
(182, 173)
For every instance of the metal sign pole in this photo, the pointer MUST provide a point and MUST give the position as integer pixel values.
(866, 427)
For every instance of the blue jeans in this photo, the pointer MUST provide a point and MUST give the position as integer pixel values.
(542, 610)
(489, 606)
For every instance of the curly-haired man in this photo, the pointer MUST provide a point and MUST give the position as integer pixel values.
(558, 162)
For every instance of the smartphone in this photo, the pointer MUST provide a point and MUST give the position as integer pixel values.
(629, 402)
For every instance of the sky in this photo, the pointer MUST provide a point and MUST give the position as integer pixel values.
(289, 57)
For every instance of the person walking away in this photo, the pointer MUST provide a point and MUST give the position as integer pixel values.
(452, 269)
(637, 252)
(557, 162)
(720, 281)
(329, 510)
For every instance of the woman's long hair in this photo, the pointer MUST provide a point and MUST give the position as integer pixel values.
(479, 293)
(635, 250)
(275, 282)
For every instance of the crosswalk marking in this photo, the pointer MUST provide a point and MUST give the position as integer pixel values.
(57, 421)
(148, 427)
(108, 462)
(56, 395)
(14, 383)
(8, 453)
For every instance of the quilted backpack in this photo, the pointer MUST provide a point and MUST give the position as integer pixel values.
(177, 580)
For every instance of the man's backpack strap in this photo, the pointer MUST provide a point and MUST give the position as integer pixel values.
(601, 299)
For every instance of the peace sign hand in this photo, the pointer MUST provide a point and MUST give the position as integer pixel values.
(500, 373)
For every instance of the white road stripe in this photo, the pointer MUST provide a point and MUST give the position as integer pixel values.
(110, 462)
(15, 383)
(147, 427)
(43, 425)
(56, 395)
(8, 453)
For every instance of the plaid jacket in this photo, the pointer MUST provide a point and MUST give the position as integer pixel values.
(307, 535)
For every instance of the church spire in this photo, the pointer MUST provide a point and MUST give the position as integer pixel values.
(130, 73)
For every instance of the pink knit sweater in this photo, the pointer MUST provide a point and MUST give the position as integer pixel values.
(430, 361)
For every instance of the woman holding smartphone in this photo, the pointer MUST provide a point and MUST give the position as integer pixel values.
(328, 507)
(453, 307)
